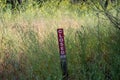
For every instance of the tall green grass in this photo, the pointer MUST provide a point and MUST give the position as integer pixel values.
(29, 48)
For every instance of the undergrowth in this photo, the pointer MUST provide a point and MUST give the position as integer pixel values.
(29, 47)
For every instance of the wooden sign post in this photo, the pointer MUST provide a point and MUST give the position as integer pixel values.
(62, 52)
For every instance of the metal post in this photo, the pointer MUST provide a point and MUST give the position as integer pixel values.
(62, 52)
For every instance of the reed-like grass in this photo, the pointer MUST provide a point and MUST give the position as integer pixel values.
(29, 47)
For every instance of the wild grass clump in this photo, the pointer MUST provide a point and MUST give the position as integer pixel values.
(29, 47)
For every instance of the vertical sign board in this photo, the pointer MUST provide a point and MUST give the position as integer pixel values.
(62, 52)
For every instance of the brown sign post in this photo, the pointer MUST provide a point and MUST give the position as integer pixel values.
(62, 52)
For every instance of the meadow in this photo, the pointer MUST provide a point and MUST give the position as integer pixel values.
(29, 46)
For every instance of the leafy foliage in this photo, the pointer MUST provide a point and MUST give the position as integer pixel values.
(29, 48)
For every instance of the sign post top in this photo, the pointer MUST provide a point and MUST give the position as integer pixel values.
(61, 42)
